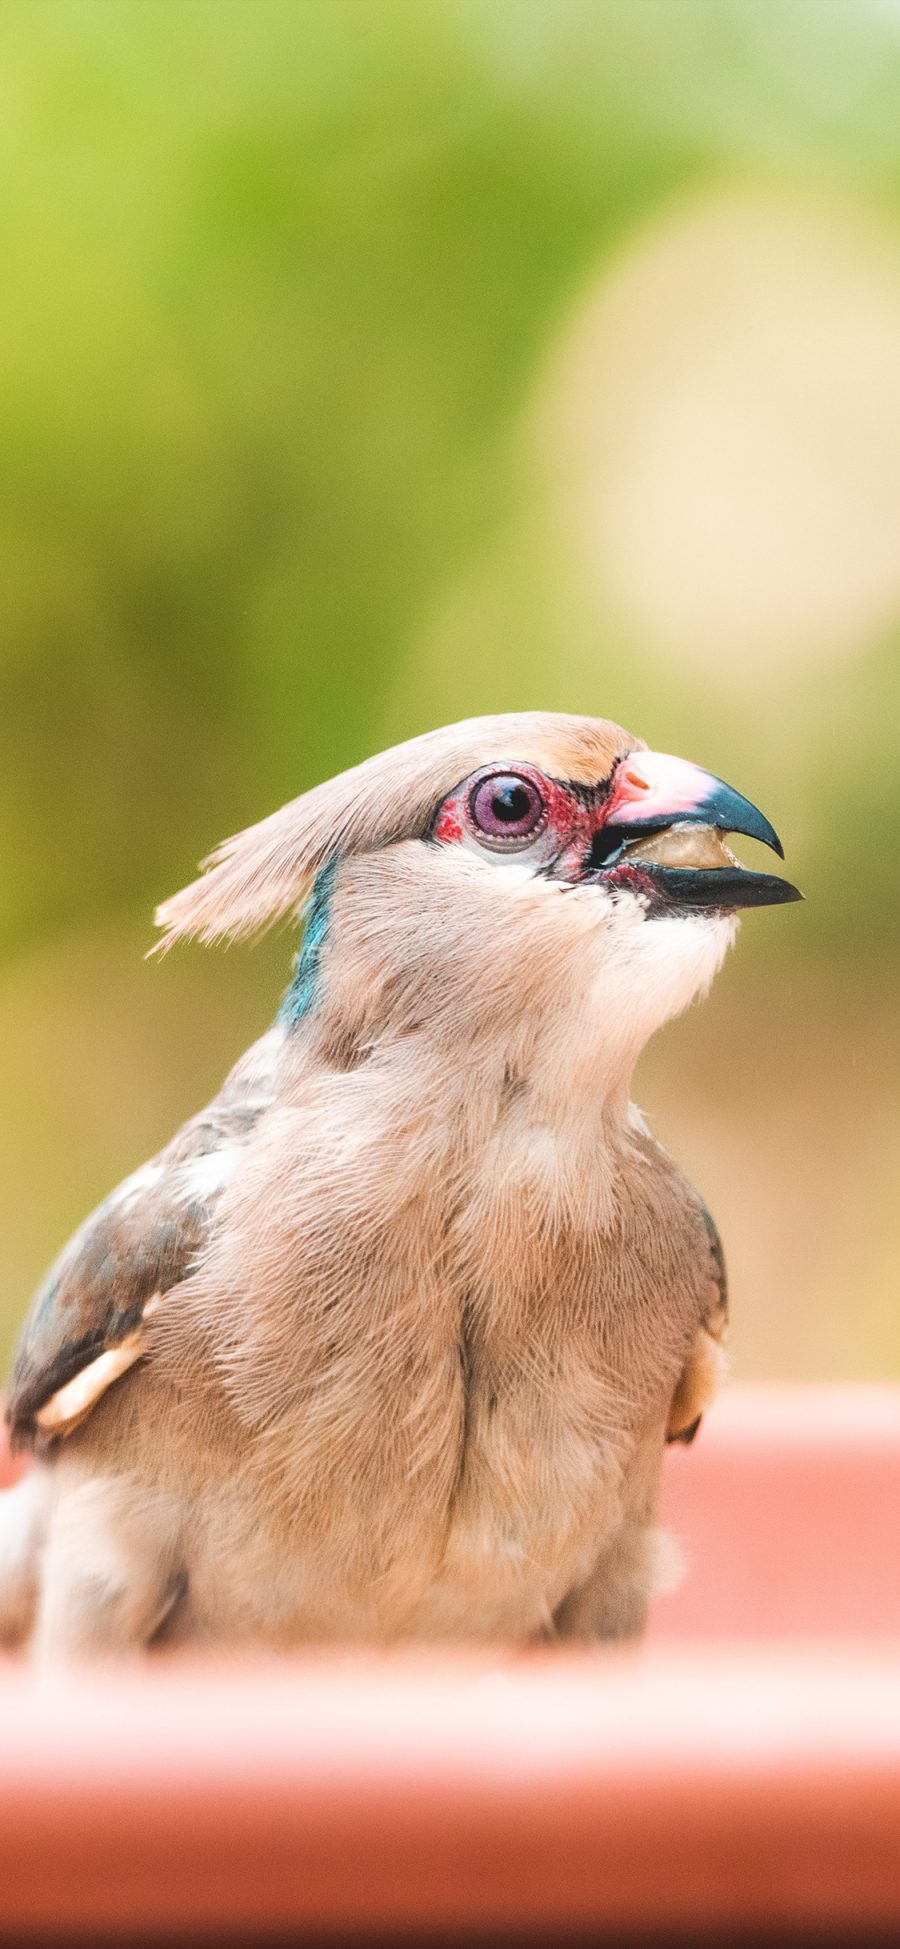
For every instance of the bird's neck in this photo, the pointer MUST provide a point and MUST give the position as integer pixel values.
(523, 991)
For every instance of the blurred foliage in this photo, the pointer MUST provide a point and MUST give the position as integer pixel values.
(284, 284)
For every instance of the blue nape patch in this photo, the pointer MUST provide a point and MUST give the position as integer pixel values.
(303, 992)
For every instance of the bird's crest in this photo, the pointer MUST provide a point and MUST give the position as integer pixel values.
(267, 871)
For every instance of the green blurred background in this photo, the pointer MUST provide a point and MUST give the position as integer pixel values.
(369, 364)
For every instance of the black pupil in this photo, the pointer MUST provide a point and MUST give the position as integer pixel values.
(511, 804)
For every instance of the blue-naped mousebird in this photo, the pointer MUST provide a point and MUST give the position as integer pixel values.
(386, 1343)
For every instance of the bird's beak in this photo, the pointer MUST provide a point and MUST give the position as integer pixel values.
(653, 794)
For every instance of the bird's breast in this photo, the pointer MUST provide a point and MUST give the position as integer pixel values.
(439, 1362)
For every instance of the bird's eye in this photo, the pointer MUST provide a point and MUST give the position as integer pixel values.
(506, 807)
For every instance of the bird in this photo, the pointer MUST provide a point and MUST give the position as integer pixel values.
(385, 1346)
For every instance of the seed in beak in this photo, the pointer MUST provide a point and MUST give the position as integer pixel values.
(697, 847)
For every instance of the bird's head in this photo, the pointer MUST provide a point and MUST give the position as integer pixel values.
(500, 869)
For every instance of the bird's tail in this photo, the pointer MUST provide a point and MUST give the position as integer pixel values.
(22, 1524)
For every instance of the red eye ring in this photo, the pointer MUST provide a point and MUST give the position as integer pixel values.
(506, 809)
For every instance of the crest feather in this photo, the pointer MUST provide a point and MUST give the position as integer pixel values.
(266, 871)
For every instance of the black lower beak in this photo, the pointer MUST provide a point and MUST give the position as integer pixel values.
(715, 889)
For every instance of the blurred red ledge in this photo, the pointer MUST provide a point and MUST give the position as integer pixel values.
(705, 1783)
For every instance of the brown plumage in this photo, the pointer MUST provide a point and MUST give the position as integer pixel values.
(387, 1342)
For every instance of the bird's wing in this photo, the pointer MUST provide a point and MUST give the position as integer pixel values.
(705, 1367)
(88, 1321)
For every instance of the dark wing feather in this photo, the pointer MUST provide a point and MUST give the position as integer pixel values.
(715, 1319)
(143, 1240)
(700, 1378)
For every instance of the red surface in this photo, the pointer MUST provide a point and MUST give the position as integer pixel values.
(700, 1785)
(786, 1508)
(687, 1788)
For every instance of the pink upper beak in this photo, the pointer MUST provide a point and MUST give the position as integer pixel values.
(652, 790)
